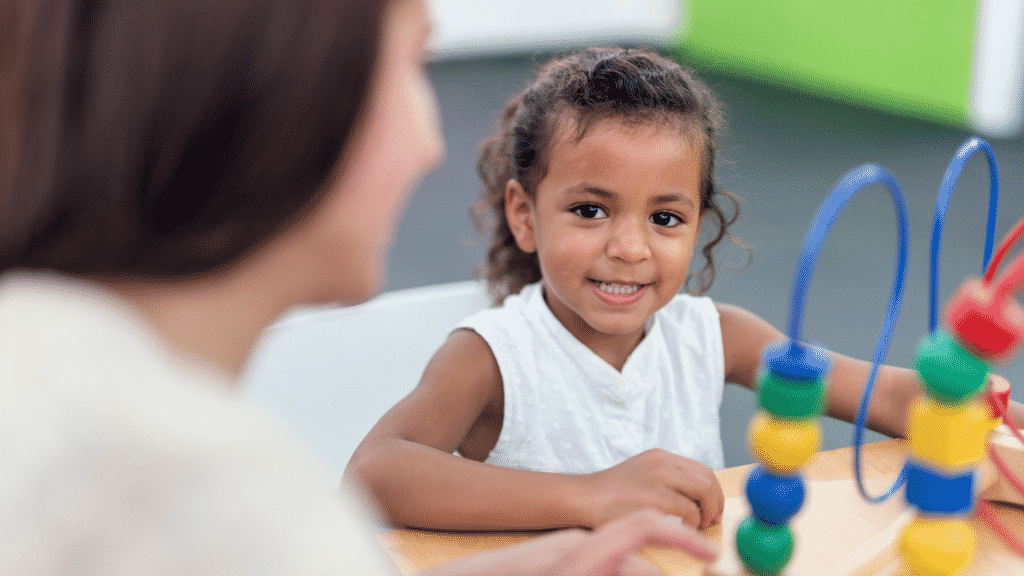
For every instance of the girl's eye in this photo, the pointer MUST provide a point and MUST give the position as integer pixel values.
(589, 211)
(666, 219)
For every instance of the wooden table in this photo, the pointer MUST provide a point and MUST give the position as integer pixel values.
(414, 550)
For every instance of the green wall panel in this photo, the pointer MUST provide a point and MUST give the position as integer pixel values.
(912, 57)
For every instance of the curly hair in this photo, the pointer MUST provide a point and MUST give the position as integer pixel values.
(633, 85)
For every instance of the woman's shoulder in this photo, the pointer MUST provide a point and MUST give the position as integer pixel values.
(159, 445)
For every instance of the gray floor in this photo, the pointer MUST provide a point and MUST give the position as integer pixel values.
(782, 153)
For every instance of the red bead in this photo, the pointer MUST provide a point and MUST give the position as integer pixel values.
(989, 329)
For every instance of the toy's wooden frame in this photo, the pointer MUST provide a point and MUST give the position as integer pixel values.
(877, 556)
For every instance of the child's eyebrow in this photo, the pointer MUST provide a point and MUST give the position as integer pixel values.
(669, 198)
(588, 189)
(605, 194)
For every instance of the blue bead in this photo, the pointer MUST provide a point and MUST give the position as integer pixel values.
(795, 361)
(934, 492)
(774, 499)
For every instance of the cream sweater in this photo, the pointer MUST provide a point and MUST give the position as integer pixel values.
(117, 458)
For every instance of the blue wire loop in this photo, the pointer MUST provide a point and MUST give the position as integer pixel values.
(949, 181)
(849, 185)
(956, 165)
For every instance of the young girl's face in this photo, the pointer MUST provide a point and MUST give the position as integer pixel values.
(614, 223)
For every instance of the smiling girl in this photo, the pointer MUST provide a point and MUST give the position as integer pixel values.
(595, 388)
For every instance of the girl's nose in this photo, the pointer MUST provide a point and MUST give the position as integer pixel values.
(628, 241)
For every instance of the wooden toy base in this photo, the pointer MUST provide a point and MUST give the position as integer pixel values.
(837, 512)
(992, 486)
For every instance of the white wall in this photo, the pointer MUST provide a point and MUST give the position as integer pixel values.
(475, 27)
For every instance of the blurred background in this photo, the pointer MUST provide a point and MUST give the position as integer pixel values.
(811, 90)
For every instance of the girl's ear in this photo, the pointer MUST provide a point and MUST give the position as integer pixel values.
(519, 215)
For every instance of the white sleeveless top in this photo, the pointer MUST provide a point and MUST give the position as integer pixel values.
(567, 410)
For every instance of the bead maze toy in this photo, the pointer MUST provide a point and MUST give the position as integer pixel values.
(949, 427)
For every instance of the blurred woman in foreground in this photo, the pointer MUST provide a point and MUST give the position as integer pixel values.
(173, 177)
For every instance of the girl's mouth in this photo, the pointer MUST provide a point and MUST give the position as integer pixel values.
(618, 294)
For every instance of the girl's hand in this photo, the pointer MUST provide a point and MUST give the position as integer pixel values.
(656, 479)
(608, 551)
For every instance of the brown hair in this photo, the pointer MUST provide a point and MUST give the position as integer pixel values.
(167, 139)
(635, 85)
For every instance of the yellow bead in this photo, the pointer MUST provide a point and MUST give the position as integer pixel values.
(994, 423)
(783, 445)
(952, 436)
(938, 547)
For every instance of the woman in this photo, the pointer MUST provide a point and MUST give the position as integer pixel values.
(175, 175)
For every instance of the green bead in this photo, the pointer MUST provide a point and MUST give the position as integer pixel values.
(764, 549)
(950, 373)
(790, 399)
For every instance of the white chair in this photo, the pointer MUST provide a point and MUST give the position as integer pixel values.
(329, 375)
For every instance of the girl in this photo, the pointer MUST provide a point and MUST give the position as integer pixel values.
(175, 175)
(594, 390)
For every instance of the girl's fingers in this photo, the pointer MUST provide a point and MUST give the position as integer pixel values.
(687, 511)
(702, 488)
(715, 511)
(711, 502)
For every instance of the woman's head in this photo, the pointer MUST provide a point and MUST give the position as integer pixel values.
(168, 139)
(570, 96)
(340, 247)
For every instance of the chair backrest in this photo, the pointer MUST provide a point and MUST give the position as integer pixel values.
(329, 375)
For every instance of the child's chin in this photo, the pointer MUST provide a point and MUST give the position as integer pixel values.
(617, 328)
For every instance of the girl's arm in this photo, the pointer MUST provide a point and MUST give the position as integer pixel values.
(744, 336)
(407, 459)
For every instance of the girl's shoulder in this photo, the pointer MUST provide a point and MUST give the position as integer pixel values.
(690, 319)
(516, 311)
(688, 307)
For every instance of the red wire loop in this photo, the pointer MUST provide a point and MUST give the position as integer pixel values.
(988, 514)
(1004, 247)
(1011, 278)
(985, 509)
(1009, 281)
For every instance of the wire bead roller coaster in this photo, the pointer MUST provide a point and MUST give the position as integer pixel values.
(948, 428)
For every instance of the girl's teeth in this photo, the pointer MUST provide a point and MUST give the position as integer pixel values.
(617, 288)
